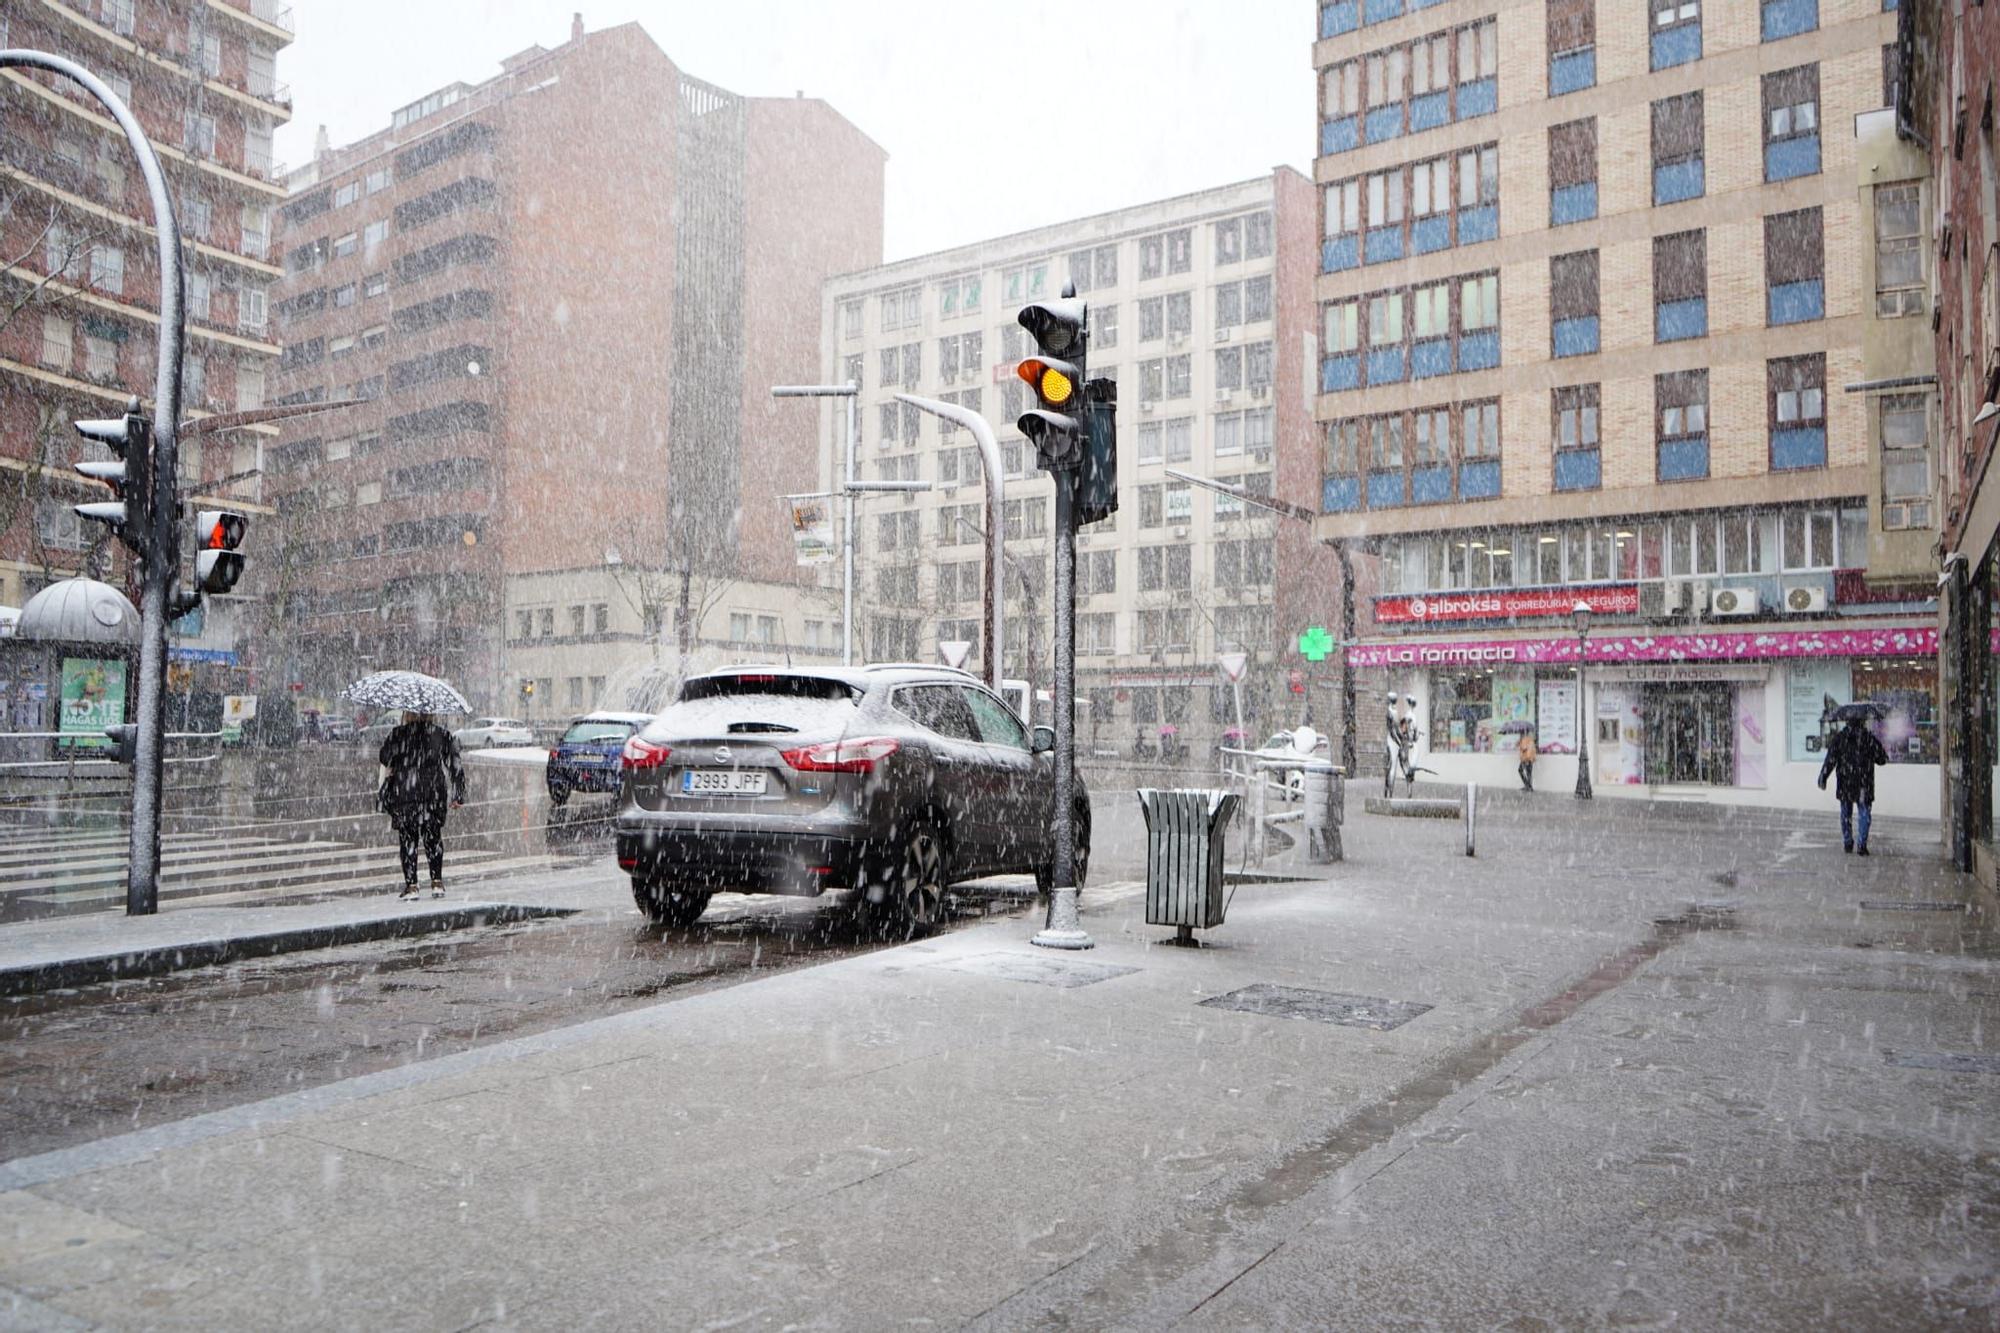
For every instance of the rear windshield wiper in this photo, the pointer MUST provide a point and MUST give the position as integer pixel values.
(739, 728)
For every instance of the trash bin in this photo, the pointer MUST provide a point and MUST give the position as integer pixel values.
(1326, 808)
(1184, 844)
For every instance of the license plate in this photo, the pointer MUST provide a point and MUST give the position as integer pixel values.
(723, 782)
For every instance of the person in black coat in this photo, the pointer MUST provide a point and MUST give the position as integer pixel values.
(422, 780)
(1851, 757)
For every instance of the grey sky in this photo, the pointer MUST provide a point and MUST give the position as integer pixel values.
(1167, 98)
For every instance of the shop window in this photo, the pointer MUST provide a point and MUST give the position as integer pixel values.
(1468, 710)
(1572, 46)
(1572, 172)
(1899, 260)
(1680, 286)
(1906, 461)
(1904, 688)
(1794, 267)
(1791, 123)
(1678, 171)
(1577, 460)
(1797, 405)
(1573, 303)
(1676, 32)
(1680, 418)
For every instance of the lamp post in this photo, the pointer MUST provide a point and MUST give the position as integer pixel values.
(1580, 617)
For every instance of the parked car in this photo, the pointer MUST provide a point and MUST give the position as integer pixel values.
(896, 781)
(487, 733)
(587, 758)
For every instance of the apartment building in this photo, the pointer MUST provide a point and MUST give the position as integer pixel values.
(561, 296)
(1593, 330)
(1198, 311)
(79, 262)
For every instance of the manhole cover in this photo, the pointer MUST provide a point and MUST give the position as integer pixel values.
(1037, 970)
(1950, 1063)
(1320, 1006)
(1868, 906)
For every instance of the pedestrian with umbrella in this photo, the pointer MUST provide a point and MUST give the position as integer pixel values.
(1852, 756)
(422, 777)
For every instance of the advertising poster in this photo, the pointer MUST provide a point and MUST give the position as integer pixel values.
(812, 531)
(1513, 705)
(1750, 736)
(1621, 737)
(93, 698)
(1555, 727)
(1812, 691)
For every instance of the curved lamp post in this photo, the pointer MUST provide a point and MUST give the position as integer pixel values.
(1580, 617)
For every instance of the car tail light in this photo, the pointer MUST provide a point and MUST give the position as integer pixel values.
(552, 756)
(854, 756)
(640, 753)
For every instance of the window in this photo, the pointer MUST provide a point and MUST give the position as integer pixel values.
(346, 245)
(1259, 236)
(198, 133)
(1572, 45)
(1229, 241)
(1573, 303)
(1228, 368)
(1680, 402)
(1179, 498)
(1789, 18)
(1152, 319)
(252, 307)
(194, 380)
(1180, 314)
(346, 194)
(1572, 172)
(58, 342)
(1180, 439)
(375, 233)
(1797, 411)
(1899, 261)
(375, 284)
(1340, 107)
(1180, 376)
(892, 367)
(1680, 286)
(1906, 461)
(1152, 513)
(200, 293)
(1180, 250)
(100, 357)
(1677, 149)
(1806, 539)
(1794, 267)
(1104, 327)
(1676, 35)
(1577, 465)
(850, 319)
(377, 180)
(199, 216)
(1791, 123)
(346, 295)
(107, 268)
(117, 15)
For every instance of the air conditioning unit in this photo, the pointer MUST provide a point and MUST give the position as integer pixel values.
(1223, 397)
(1224, 335)
(1685, 595)
(1146, 408)
(1181, 532)
(1177, 340)
(1735, 602)
(1697, 595)
(1803, 599)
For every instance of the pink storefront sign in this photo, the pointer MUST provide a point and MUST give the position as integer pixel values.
(1899, 641)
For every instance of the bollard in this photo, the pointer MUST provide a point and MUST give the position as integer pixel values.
(1471, 807)
(1325, 801)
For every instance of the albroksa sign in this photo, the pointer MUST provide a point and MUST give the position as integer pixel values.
(1505, 604)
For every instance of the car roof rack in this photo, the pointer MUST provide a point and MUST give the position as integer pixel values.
(919, 666)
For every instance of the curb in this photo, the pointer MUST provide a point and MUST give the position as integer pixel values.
(126, 965)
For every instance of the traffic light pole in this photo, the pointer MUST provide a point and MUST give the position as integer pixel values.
(1065, 930)
(996, 537)
(162, 546)
(851, 391)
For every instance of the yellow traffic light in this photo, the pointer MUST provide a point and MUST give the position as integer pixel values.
(1050, 380)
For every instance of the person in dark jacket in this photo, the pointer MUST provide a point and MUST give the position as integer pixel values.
(422, 780)
(1851, 757)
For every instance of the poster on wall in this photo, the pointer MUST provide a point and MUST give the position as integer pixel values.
(1750, 736)
(1513, 709)
(1555, 729)
(1621, 731)
(93, 698)
(1813, 689)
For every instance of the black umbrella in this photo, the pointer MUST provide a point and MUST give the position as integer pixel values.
(408, 691)
(1859, 711)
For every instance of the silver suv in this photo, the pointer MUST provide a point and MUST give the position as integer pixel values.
(894, 780)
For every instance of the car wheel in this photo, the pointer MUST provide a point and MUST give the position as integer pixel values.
(1045, 875)
(676, 909)
(913, 887)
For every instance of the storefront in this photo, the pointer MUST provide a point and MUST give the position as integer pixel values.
(1741, 717)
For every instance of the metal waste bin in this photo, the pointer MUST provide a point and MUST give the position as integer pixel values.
(1325, 791)
(1184, 844)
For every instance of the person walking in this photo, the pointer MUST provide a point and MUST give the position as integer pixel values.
(422, 780)
(1525, 749)
(1851, 757)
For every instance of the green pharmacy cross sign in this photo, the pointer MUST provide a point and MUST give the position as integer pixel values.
(1316, 643)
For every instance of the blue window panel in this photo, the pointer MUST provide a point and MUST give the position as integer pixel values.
(1478, 224)
(1385, 365)
(1428, 234)
(1798, 446)
(1479, 351)
(1429, 110)
(1340, 372)
(1429, 358)
(1384, 243)
(1341, 16)
(1573, 203)
(1341, 252)
(1575, 337)
(1479, 480)
(1385, 489)
(1385, 122)
(1338, 495)
(1679, 180)
(1572, 71)
(1677, 46)
(1481, 97)
(1677, 320)
(1340, 136)
(1791, 157)
(1789, 18)
(1684, 459)
(1380, 11)
(1578, 470)
(1796, 302)
(1415, 5)
(1430, 485)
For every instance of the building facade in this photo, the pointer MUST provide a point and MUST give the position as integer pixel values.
(1199, 312)
(1589, 322)
(79, 315)
(559, 298)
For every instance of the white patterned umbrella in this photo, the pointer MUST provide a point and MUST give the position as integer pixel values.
(409, 691)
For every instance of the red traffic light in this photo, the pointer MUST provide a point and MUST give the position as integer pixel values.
(219, 530)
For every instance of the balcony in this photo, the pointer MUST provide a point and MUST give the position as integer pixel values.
(1789, 158)
(1796, 302)
(1676, 46)
(1684, 458)
(1675, 181)
(1677, 321)
(1572, 71)
(1789, 18)
(1572, 203)
(1578, 470)
(1574, 337)
(1795, 447)
(1339, 18)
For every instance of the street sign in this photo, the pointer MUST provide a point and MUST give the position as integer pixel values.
(1316, 643)
(954, 652)
(1233, 664)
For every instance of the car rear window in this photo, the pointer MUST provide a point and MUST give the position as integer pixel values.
(597, 731)
(781, 687)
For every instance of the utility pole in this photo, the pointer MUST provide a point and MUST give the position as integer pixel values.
(851, 392)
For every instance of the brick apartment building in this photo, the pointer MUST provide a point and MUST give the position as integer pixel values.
(1199, 310)
(563, 295)
(78, 263)
(1590, 318)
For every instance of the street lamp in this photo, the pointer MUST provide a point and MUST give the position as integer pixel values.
(1580, 617)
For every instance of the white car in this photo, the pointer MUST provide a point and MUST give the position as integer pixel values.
(487, 733)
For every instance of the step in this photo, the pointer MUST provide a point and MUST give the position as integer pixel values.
(80, 860)
(378, 872)
(264, 869)
(192, 866)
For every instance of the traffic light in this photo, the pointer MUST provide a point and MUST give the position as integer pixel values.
(217, 562)
(124, 742)
(1060, 331)
(130, 478)
(1097, 480)
(527, 689)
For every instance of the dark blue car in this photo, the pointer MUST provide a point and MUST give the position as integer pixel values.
(586, 758)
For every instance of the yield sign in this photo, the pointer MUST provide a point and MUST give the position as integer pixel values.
(954, 651)
(1233, 664)
(1316, 643)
